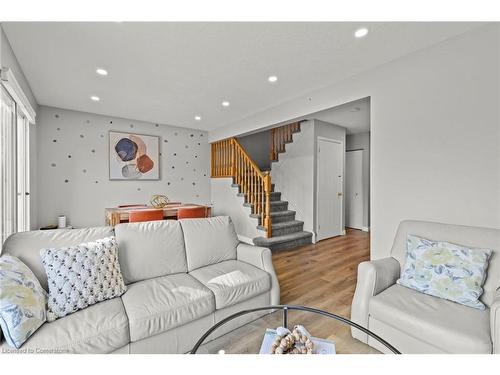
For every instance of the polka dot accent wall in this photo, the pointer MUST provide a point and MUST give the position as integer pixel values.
(73, 175)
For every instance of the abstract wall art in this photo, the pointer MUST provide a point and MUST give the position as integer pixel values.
(133, 156)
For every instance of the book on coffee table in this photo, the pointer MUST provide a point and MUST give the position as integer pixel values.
(321, 346)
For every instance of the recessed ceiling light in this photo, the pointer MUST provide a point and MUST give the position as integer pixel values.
(95, 98)
(102, 72)
(359, 33)
(225, 103)
(197, 118)
(272, 79)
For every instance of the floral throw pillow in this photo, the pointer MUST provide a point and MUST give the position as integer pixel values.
(82, 275)
(445, 270)
(22, 301)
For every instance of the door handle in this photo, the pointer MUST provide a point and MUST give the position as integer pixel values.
(339, 194)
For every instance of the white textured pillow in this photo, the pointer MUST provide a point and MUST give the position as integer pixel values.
(82, 275)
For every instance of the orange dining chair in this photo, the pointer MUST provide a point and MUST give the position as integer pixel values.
(191, 212)
(145, 215)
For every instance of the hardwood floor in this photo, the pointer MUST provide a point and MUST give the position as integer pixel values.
(323, 275)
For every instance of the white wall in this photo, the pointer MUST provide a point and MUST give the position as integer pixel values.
(9, 60)
(225, 201)
(184, 166)
(258, 147)
(435, 138)
(293, 175)
(361, 141)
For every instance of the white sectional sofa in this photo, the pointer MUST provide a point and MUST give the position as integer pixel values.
(182, 277)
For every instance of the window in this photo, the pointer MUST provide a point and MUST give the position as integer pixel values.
(16, 114)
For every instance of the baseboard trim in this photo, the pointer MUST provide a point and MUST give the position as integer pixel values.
(365, 229)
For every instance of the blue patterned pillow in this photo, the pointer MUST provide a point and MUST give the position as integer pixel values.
(22, 301)
(445, 270)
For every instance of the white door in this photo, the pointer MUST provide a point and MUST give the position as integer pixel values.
(329, 192)
(354, 189)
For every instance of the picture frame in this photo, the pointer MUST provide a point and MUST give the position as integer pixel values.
(133, 156)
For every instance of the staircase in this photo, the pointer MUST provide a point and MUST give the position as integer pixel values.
(278, 225)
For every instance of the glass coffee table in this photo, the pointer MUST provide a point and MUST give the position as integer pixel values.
(248, 338)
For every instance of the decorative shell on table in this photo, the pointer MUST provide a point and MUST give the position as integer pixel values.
(296, 342)
(159, 201)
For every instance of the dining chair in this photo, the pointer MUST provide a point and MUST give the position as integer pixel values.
(191, 212)
(145, 215)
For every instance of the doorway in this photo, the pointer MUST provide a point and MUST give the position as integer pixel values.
(354, 194)
(330, 171)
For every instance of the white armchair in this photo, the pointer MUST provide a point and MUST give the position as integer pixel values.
(414, 322)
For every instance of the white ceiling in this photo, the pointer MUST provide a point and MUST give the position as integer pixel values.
(354, 116)
(170, 72)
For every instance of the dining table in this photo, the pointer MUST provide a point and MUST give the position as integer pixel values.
(120, 214)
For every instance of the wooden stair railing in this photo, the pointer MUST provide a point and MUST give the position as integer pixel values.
(229, 159)
(280, 137)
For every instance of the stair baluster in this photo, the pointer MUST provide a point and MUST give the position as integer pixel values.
(280, 137)
(229, 159)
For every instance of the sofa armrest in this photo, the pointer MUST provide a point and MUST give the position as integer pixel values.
(373, 277)
(495, 322)
(260, 257)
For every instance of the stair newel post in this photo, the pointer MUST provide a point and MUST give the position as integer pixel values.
(267, 219)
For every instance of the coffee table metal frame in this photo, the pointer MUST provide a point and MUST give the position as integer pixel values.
(285, 309)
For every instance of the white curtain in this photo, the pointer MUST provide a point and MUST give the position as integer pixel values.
(8, 167)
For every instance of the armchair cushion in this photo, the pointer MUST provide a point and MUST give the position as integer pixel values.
(451, 327)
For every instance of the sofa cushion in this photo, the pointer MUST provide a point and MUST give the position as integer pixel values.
(452, 327)
(150, 249)
(26, 245)
(233, 281)
(100, 328)
(158, 305)
(209, 241)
